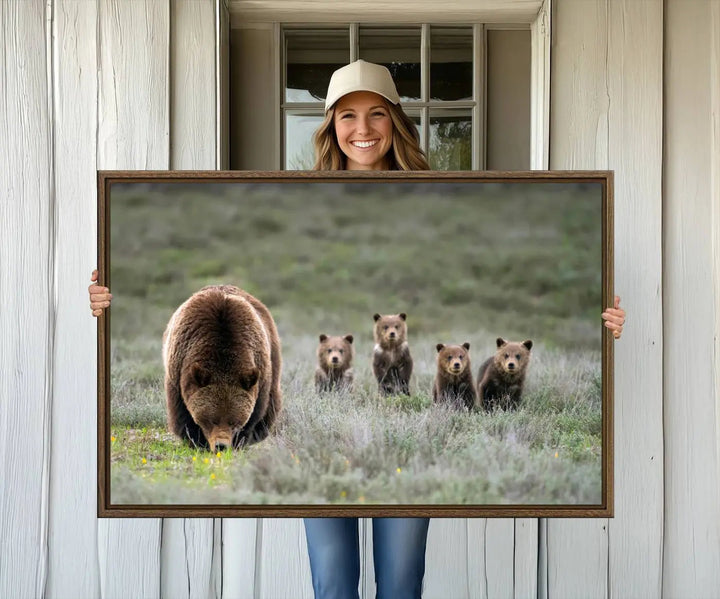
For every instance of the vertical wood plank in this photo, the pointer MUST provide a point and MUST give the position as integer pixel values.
(577, 549)
(129, 557)
(367, 559)
(607, 113)
(133, 127)
(187, 558)
(525, 580)
(240, 542)
(284, 565)
(692, 402)
(73, 499)
(133, 133)
(491, 547)
(577, 559)
(190, 564)
(635, 80)
(193, 105)
(715, 192)
(578, 94)
(27, 314)
(446, 559)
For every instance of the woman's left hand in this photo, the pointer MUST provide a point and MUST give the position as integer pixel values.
(615, 318)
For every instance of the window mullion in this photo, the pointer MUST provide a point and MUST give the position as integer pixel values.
(354, 41)
(425, 85)
(479, 113)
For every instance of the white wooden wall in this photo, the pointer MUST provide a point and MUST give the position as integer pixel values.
(635, 87)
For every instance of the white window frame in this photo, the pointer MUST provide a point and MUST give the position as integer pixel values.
(539, 21)
(475, 106)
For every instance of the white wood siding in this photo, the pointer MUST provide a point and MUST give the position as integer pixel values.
(692, 303)
(72, 543)
(89, 85)
(27, 314)
(606, 112)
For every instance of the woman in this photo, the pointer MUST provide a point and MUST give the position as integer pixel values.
(365, 129)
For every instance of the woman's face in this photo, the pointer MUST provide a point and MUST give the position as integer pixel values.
(364, 130)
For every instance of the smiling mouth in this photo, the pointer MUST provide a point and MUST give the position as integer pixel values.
(364, 144)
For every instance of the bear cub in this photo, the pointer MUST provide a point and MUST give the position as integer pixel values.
(392, 363)
(221, 353)
(453, 380)
(501, 377)
(335, 357)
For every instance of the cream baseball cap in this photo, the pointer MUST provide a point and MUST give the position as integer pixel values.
(361, 76)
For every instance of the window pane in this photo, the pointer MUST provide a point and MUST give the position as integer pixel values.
(399, 50)
(451, 63)
(450, 140)
(312, 56)
(299, 151)
(415, 118)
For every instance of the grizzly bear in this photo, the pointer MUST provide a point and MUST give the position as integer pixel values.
(335, 356)
(392, 363)
(501, 377)
(453, 381)
(221, 353)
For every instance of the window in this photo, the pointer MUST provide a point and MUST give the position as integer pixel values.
(468, 89)
(437, 70)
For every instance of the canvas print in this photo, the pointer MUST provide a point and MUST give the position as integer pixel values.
(355, 346)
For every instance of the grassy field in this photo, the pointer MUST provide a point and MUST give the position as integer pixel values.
(513, 261)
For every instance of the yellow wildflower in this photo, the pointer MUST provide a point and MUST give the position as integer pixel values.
(207, 460)
(556, 454)
(218, 454)
(194, 458)
(212, 476)
(112, 439)
(399, 470)
(343, 494)
(144, 461)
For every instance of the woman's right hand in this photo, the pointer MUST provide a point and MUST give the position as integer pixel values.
(99, 296)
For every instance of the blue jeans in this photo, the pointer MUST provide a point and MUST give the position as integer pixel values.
(398, 553)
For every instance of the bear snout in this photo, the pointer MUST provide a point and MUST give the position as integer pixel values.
(392, 335)
(511, 366)
(220, 439)
(456, 366)
(335, 360)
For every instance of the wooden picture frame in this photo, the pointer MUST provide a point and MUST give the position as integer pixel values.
(467, 256)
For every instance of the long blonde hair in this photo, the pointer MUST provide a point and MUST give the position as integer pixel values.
(405, 155)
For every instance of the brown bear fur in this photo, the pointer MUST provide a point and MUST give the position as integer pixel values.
(221, 353)
(335, 357)
(453, 381)
(392, 363)
(501, 377)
